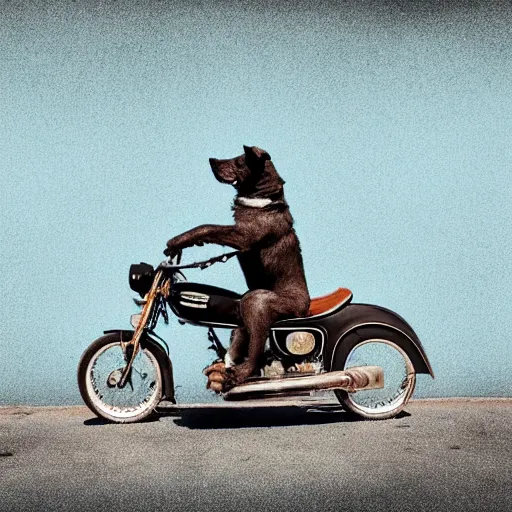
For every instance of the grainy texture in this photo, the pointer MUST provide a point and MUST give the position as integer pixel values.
(442, 455)
(390, 122)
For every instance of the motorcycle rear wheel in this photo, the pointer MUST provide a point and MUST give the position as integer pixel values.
(99, 370)
(399, 376)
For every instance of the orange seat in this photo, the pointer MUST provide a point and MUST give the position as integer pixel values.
(326, 302)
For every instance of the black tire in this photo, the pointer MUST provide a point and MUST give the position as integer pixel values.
(379, 346)
(89, 382)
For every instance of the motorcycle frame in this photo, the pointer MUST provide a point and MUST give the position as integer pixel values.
(337, 327)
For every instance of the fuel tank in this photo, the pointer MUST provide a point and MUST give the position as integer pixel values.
(202, 304)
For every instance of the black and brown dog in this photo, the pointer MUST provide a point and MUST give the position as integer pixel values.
(270, 258)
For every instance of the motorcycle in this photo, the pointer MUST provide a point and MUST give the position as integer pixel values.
(367, 355)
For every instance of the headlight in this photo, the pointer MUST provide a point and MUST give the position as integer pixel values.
(141, 278)
(135, 319)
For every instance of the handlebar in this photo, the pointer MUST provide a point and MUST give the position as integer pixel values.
(171, 264)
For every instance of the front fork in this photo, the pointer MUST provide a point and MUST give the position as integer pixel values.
(146, 314)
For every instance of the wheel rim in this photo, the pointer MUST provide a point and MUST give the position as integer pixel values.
(125, 403)
(399, 377)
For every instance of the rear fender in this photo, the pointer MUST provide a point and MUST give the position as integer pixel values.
(161, 356)
(359, 317)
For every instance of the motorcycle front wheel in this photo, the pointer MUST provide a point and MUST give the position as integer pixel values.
(384, 349)
(99, 371)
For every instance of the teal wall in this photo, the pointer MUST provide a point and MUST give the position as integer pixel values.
(390, 122)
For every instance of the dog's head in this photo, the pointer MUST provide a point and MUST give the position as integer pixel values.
(252, 174)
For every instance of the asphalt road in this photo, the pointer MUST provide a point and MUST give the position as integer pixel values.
(441, 455)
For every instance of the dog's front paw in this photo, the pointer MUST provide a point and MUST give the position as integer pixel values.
(174, 247)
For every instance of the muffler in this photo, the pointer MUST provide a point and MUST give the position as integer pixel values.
(354, 379)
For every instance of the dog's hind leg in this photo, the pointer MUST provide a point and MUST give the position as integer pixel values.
(259, 310)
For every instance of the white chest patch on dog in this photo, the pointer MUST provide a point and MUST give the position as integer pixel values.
(254, 202)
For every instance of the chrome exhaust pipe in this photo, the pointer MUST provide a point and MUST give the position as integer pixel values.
(354, 379)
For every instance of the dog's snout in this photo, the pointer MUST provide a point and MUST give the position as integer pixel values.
(212, 161)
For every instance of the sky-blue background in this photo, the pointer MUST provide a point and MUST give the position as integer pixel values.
(390, 122)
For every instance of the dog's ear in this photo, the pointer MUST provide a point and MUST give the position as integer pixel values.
(256, 153)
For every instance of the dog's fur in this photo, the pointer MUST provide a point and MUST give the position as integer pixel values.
(270, 255)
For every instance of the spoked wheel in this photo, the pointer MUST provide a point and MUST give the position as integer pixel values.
(399, 376)
(99, 371)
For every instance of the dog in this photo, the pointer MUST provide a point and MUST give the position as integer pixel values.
(270, 258)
